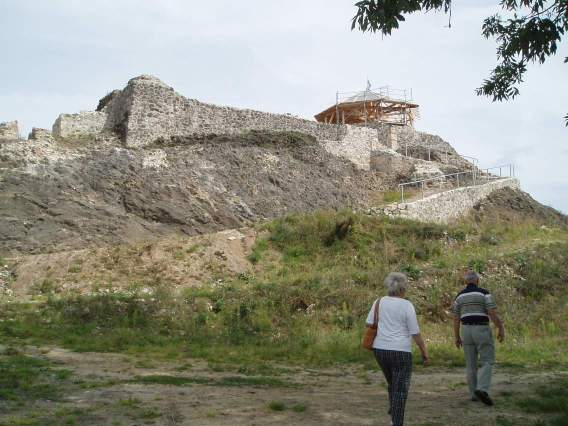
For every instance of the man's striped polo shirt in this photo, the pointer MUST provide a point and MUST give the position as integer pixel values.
(471, 305)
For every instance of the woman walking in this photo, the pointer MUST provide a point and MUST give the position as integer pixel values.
(397, 323)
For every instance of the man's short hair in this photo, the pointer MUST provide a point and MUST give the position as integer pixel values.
(471, 277)
(395, 283)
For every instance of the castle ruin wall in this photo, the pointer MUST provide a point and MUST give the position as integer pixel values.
(147, 109)
(9, 131)
(85, 122)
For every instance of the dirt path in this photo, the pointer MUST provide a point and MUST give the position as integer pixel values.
(117, 389)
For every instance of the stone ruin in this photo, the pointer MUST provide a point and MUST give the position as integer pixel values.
(9, 131)
(147, 109)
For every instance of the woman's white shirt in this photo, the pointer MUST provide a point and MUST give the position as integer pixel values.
(397, 324)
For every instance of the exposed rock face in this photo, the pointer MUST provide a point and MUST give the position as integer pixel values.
(107, 195)
(9, 131)
(38, 134)
(512, 205)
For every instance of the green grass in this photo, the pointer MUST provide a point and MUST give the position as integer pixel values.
(547, 402)
(307, 299)
(391, 196)
(24, 378)
(551, 400)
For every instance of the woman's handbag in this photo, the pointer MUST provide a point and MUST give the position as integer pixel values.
(371, 330)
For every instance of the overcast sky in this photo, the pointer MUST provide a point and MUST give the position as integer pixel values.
(286, 56)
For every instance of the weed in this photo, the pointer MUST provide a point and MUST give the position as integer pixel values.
(276, 405)
(391, 196)
(411, 270)
(74, 269)
(129, 402)
(259, 248)
(149, 413)
(300, 407)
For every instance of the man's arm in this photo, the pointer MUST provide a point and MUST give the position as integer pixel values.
(498, 323)
(458, 340)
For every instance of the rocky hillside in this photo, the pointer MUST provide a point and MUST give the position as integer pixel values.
(151, 162)
(59, 196)
(509, 205)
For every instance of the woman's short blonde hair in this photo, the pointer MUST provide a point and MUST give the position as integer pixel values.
(395, 283)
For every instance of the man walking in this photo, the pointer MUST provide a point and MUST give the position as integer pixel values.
(473, 308)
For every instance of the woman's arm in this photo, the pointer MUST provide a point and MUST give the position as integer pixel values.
(422, 346)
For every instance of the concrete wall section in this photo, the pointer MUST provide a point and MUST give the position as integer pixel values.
(449, 205)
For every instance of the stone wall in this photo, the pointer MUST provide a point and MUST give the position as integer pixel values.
(85, 122)
(147, 109)
(357, 145)
(9, 131)
(38, 134)
(449, 205)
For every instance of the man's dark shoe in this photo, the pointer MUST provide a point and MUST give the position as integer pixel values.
(483, 397)
(474, 399)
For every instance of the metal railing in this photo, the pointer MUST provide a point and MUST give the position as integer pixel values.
(462, 179)
(431, 148)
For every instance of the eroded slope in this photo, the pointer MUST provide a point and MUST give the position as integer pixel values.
(59, 198)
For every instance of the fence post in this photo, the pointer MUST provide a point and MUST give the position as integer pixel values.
(458, 179)
(422, 189)
(402, 193)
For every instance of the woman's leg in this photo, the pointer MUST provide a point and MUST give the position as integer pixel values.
(384, 362)
(401, 374)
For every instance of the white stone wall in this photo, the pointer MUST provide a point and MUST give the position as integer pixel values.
(357, 144)
(9, 131)
(85, 122)
(449, 205)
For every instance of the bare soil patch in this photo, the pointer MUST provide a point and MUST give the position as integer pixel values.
(114, 391)
(179, 261)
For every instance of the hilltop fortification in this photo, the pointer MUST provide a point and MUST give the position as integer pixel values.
(150, 162)
(147, 110)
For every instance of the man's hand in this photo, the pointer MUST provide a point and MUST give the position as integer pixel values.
(501, 336)
(425, 359)
(458, 342)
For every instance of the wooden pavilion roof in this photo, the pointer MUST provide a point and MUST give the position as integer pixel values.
(375, 109)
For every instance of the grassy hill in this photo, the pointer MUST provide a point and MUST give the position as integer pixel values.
(308, 289)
